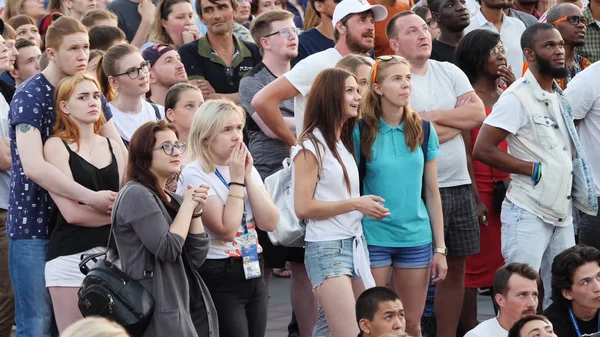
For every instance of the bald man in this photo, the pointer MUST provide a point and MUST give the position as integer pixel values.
(570, 22)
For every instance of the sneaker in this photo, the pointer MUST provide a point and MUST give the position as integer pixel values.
(428, 326)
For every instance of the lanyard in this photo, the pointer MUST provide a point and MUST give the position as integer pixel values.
(576, 326)
(218, 174)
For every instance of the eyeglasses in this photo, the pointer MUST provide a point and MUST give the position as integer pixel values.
(170, 148)
(573, 20)
(431, 23)
(133, 73)
(497, 51)
(383, 58)
(285, 33)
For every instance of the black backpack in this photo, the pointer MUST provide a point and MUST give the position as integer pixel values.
(362, 162)
(108, 292)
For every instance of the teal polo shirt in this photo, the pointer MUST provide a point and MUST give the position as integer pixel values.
(396, 174)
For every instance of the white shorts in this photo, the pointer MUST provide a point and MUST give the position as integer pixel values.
(63, 271)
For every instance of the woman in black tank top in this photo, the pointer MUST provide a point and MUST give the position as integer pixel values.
(94, 162)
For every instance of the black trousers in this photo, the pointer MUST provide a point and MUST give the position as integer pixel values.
(241, 304)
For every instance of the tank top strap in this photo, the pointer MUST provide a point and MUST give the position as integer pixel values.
(68, 147)
(110, 148)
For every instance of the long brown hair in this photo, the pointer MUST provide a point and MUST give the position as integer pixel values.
(371, 111)
(325, 108)
(64, 127)
(140, 156)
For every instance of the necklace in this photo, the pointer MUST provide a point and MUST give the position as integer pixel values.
(89, 150)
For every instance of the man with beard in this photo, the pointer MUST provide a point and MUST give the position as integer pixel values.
(567, 18)
(516, 293)
(166, 70)
(548, 168)
(575, 292)
(452, 17)
(354, 34)
(277, 38)
(491, 16)
(443, 95)
(217, 61)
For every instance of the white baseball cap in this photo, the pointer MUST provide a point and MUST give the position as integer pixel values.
(357, 6)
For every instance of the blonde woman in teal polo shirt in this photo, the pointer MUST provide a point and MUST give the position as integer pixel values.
(388, 144)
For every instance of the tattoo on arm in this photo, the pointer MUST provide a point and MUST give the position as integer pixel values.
(24, 127)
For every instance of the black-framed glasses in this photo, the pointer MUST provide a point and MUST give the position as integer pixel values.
(133, 73)
(431, 23)
(286, 33)
(170, 148)
(572, 19)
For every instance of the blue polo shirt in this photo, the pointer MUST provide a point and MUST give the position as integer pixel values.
(29, 205)
(396, 174)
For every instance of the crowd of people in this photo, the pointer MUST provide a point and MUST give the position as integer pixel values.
(438, 150)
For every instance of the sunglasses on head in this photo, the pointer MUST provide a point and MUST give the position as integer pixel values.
(384, 58)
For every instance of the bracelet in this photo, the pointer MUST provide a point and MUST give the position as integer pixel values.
(537, 173)
(197, 215)
(236, 183)
(237, 196)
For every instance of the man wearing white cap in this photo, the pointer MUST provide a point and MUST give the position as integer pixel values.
(354, 33)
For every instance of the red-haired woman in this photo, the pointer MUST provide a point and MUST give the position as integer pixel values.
(157, 229)
(94, 162)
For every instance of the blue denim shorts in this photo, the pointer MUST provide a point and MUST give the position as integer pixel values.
(401, 257)
(328, 259)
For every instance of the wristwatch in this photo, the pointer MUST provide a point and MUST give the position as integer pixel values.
(443, 251)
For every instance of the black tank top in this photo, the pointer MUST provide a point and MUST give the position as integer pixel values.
(70, 239)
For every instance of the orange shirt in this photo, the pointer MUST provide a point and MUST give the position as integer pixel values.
(382, 46)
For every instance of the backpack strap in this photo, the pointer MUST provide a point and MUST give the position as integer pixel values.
(425, 148)
(156, 112)
(362, 161)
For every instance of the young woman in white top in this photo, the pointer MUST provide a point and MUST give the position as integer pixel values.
(326, 194)
(123, 75)
(237, 203)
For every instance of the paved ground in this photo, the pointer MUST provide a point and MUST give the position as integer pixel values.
(280, 310)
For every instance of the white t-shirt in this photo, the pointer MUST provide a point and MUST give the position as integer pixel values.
(331, 186)
(585, 102)
(489, 328)
(127, 123)
(510, 35)
(438, 89)
(302, 76)
(192, 174)
(508, 114)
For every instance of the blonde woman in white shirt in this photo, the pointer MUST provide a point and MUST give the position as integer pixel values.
(237, 203)
(326, 194)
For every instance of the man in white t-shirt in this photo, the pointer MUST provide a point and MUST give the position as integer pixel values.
(354, 33)
(516, 294)
(585, 102)
(548, 168)
(442, 94)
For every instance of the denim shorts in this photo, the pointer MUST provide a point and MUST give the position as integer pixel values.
(328, 259)
(401, 257)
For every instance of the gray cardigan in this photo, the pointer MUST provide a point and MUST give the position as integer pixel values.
(141, 229)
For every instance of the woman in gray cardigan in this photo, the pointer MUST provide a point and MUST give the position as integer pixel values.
(152, 225)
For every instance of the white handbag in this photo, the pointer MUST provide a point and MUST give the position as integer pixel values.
(290, 230)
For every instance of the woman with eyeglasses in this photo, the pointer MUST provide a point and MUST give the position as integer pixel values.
(124, 79)
(481, 56)
(390, 139)
(432, 25)
(96, 163)
(160, 235)
(237, 203)
(173, 24)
